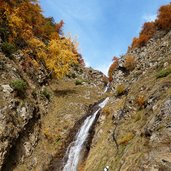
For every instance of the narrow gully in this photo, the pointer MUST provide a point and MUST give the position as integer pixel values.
(74, 151)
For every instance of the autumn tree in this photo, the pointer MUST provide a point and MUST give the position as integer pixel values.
(23, 24)
(146, 33)
(164, 17)
(163, 22)
(60, 57)
(113, 66)
(130, 62)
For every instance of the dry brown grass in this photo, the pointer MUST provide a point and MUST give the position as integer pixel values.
(130, 62)
(106, 111)
(140, 101)
(126, 138)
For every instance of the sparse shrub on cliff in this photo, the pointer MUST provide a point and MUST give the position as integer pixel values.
(140, 101)
(19, 87)
(130, 62)
(163, 73)
(164, 17)
(120, 90)
(8, 48)
(113, 66)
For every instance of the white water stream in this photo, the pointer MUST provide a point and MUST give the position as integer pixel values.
(106, 87)
(76, 146)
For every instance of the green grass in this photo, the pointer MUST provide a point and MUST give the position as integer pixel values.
(163, 73)
(19, 87)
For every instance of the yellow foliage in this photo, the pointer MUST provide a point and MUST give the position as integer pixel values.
(60, 57)
(35, 43)
(15, 21)
(37, 36)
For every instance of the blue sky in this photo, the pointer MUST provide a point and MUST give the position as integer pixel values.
(105, 28)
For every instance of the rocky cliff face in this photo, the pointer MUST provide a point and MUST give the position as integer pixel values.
(133, 133)
(36, 122)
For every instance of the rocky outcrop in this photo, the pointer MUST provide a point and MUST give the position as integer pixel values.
(148, 58)
(35, 123)
(17, 115)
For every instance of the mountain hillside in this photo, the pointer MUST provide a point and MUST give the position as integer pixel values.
(36, 119)
(47, 95)
(133, 133)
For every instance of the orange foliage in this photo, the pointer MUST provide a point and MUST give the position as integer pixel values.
(163, 22)
(140, 100)
(164, 17)
(112, 68)
(147, 32)
(130, 62)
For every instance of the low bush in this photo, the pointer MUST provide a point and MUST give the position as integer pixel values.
(19, 87)
(8, 48)
(113, 67)
(120, 90)
(130, 62)
(140, 101)
(163, 73)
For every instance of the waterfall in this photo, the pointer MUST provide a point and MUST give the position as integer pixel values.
(106, 87)
(75, 147)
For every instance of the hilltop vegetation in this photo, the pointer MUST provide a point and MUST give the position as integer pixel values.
(163, 22)
(23, 26)
(149, 29)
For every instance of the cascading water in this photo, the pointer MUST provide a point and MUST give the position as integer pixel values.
(106, 87)
(76, 146)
